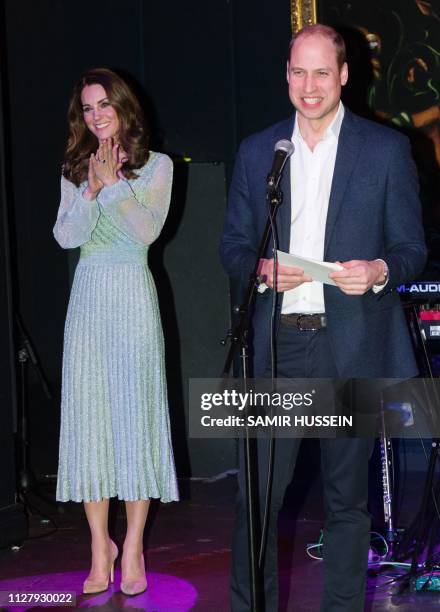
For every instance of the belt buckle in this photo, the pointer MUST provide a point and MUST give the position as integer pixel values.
(300, 325)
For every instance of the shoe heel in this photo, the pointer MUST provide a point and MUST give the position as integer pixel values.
(112, 567)
(93, 586)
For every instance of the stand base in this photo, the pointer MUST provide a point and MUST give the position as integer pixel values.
(13, 525)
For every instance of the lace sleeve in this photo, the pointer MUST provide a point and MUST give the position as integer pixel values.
(140, 209)
(77, 217)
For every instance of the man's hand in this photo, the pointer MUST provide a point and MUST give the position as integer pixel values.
(287, 277)
(358, 276)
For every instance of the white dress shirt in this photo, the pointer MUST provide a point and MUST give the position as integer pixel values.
(311, 175)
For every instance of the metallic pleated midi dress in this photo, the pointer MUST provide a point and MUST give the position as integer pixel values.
(115, 433)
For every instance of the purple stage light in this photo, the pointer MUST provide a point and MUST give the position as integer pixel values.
(165, 592)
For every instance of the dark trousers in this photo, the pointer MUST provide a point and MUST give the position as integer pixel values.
(344, 466)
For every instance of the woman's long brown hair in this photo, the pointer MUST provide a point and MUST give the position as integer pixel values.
(133, 135)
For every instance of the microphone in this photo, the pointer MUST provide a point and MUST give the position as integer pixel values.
(283, 149)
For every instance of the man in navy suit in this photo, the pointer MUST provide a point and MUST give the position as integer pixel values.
(350, 196)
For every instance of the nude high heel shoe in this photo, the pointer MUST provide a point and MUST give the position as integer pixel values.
(135, 586)
(99, 586)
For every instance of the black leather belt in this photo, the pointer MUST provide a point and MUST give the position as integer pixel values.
(305, 322)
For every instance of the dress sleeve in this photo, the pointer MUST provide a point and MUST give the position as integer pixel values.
(77, 217)
(139, 209)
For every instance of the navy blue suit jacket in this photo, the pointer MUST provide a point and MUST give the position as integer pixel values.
(374, 212)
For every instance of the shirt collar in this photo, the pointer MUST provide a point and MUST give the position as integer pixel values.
(333, 129)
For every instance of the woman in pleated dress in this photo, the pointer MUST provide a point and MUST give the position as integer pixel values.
(115, 434)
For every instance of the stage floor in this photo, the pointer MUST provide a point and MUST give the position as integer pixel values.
(188, 557)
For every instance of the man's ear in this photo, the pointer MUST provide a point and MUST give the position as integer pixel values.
(344, 73)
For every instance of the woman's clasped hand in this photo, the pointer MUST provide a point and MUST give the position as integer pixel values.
(104, 167)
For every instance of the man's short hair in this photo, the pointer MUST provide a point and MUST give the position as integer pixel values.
(326, 32)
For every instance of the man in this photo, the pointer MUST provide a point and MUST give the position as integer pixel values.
(350, 196)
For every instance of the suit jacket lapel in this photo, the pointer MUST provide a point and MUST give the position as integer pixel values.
(283, 220)
(348, 150)
(284, 212)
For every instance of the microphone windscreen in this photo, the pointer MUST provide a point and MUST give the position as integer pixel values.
(286, 146)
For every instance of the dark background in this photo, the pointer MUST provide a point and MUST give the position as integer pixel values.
(396, 74)
(8, 397)
(211, 73)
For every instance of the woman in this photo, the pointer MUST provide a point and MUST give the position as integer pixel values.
(115, 437)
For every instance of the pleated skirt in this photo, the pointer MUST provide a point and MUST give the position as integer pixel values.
(115, 433)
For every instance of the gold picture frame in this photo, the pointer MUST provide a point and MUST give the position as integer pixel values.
(302, 13)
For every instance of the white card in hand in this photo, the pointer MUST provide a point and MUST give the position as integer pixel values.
(318, 270)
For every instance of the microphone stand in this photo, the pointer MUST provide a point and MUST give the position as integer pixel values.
(239, 342)
(26, 353)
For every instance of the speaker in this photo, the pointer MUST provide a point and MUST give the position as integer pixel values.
(194, 303)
